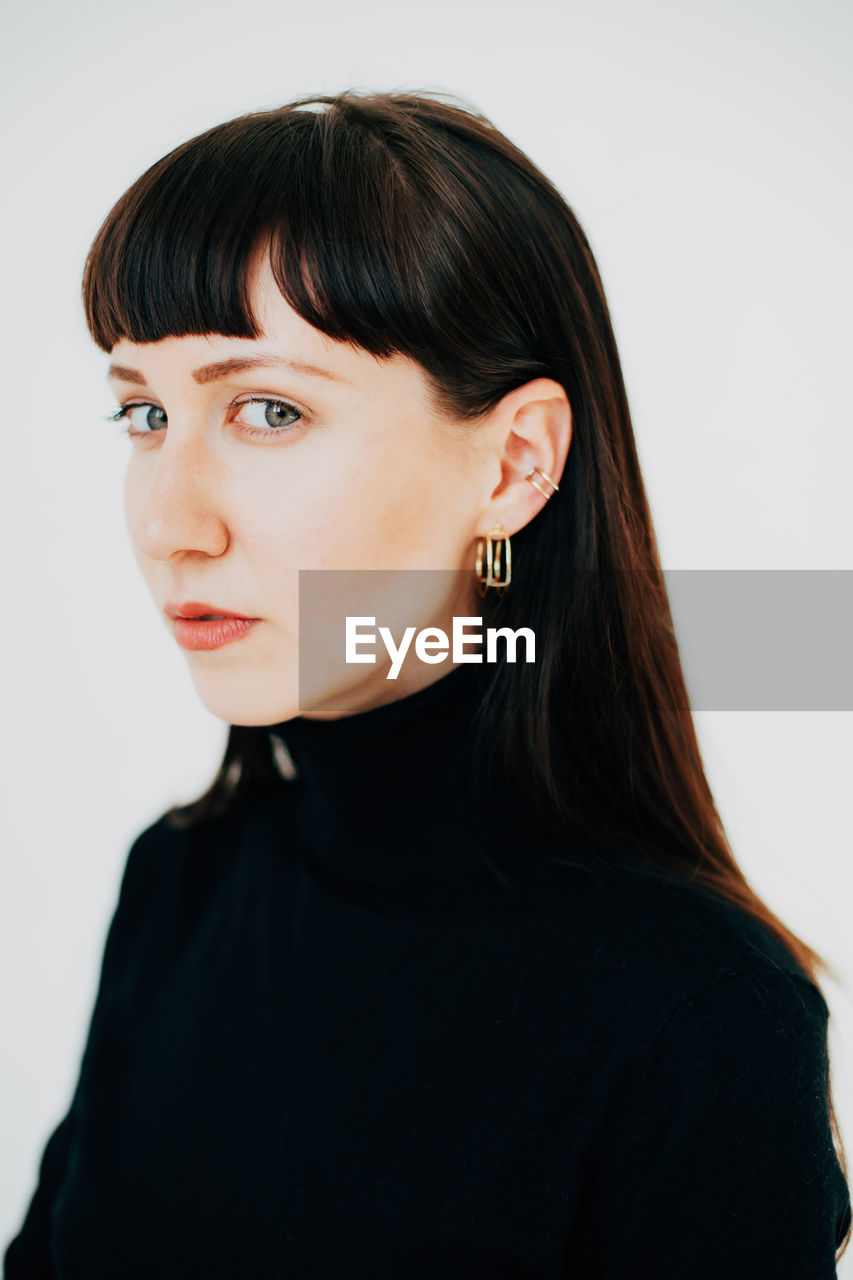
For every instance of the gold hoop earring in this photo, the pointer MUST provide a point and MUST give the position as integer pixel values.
(497, 558)
(546, 478)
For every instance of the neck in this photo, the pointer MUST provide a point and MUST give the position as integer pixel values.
(387, 796)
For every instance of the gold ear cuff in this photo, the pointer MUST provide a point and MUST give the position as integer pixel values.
(495, 550)
(546, 478)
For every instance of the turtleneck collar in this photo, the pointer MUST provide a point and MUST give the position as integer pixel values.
(385, 797)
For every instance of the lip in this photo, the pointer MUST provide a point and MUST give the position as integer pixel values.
(198, 609)
(194, 628)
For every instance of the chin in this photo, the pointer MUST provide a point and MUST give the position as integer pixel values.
(247, 699)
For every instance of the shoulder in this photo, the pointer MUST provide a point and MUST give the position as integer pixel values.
(650, 945)
(172, 864)
(708, 1111)
(716, 1123)
(173, 837)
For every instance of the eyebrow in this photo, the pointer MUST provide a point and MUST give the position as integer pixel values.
(236, 364)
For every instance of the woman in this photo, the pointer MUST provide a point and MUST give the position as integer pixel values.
(451, 973)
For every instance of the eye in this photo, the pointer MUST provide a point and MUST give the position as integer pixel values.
(264, 416)
(142, 419)
(268, 417)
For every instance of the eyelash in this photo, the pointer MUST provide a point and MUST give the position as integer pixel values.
(265, 433)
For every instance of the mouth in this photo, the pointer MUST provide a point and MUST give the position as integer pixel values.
(209, 617)
(195, 611)
(198, 625)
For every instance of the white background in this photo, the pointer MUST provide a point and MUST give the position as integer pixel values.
(705, 148)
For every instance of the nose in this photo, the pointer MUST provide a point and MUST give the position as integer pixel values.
(180, 507)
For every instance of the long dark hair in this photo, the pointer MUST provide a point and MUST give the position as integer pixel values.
(407, 224)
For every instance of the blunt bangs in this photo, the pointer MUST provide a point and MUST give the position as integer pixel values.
(377, 234)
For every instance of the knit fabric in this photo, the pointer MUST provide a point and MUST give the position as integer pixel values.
(362, 1027)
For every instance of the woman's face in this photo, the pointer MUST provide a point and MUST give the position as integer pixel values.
(286, 453)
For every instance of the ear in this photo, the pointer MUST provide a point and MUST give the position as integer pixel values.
(530, 427)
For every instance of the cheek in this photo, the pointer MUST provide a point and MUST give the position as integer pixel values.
(421, 522)
(358, 519)
(388, 498)
(134, 501)
(131, 495)
(389, 507)
(341, 515)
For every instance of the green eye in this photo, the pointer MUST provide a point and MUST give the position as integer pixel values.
(142, 419)
(269, 415)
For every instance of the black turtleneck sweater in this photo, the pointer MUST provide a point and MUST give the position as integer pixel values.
(363, 1027)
